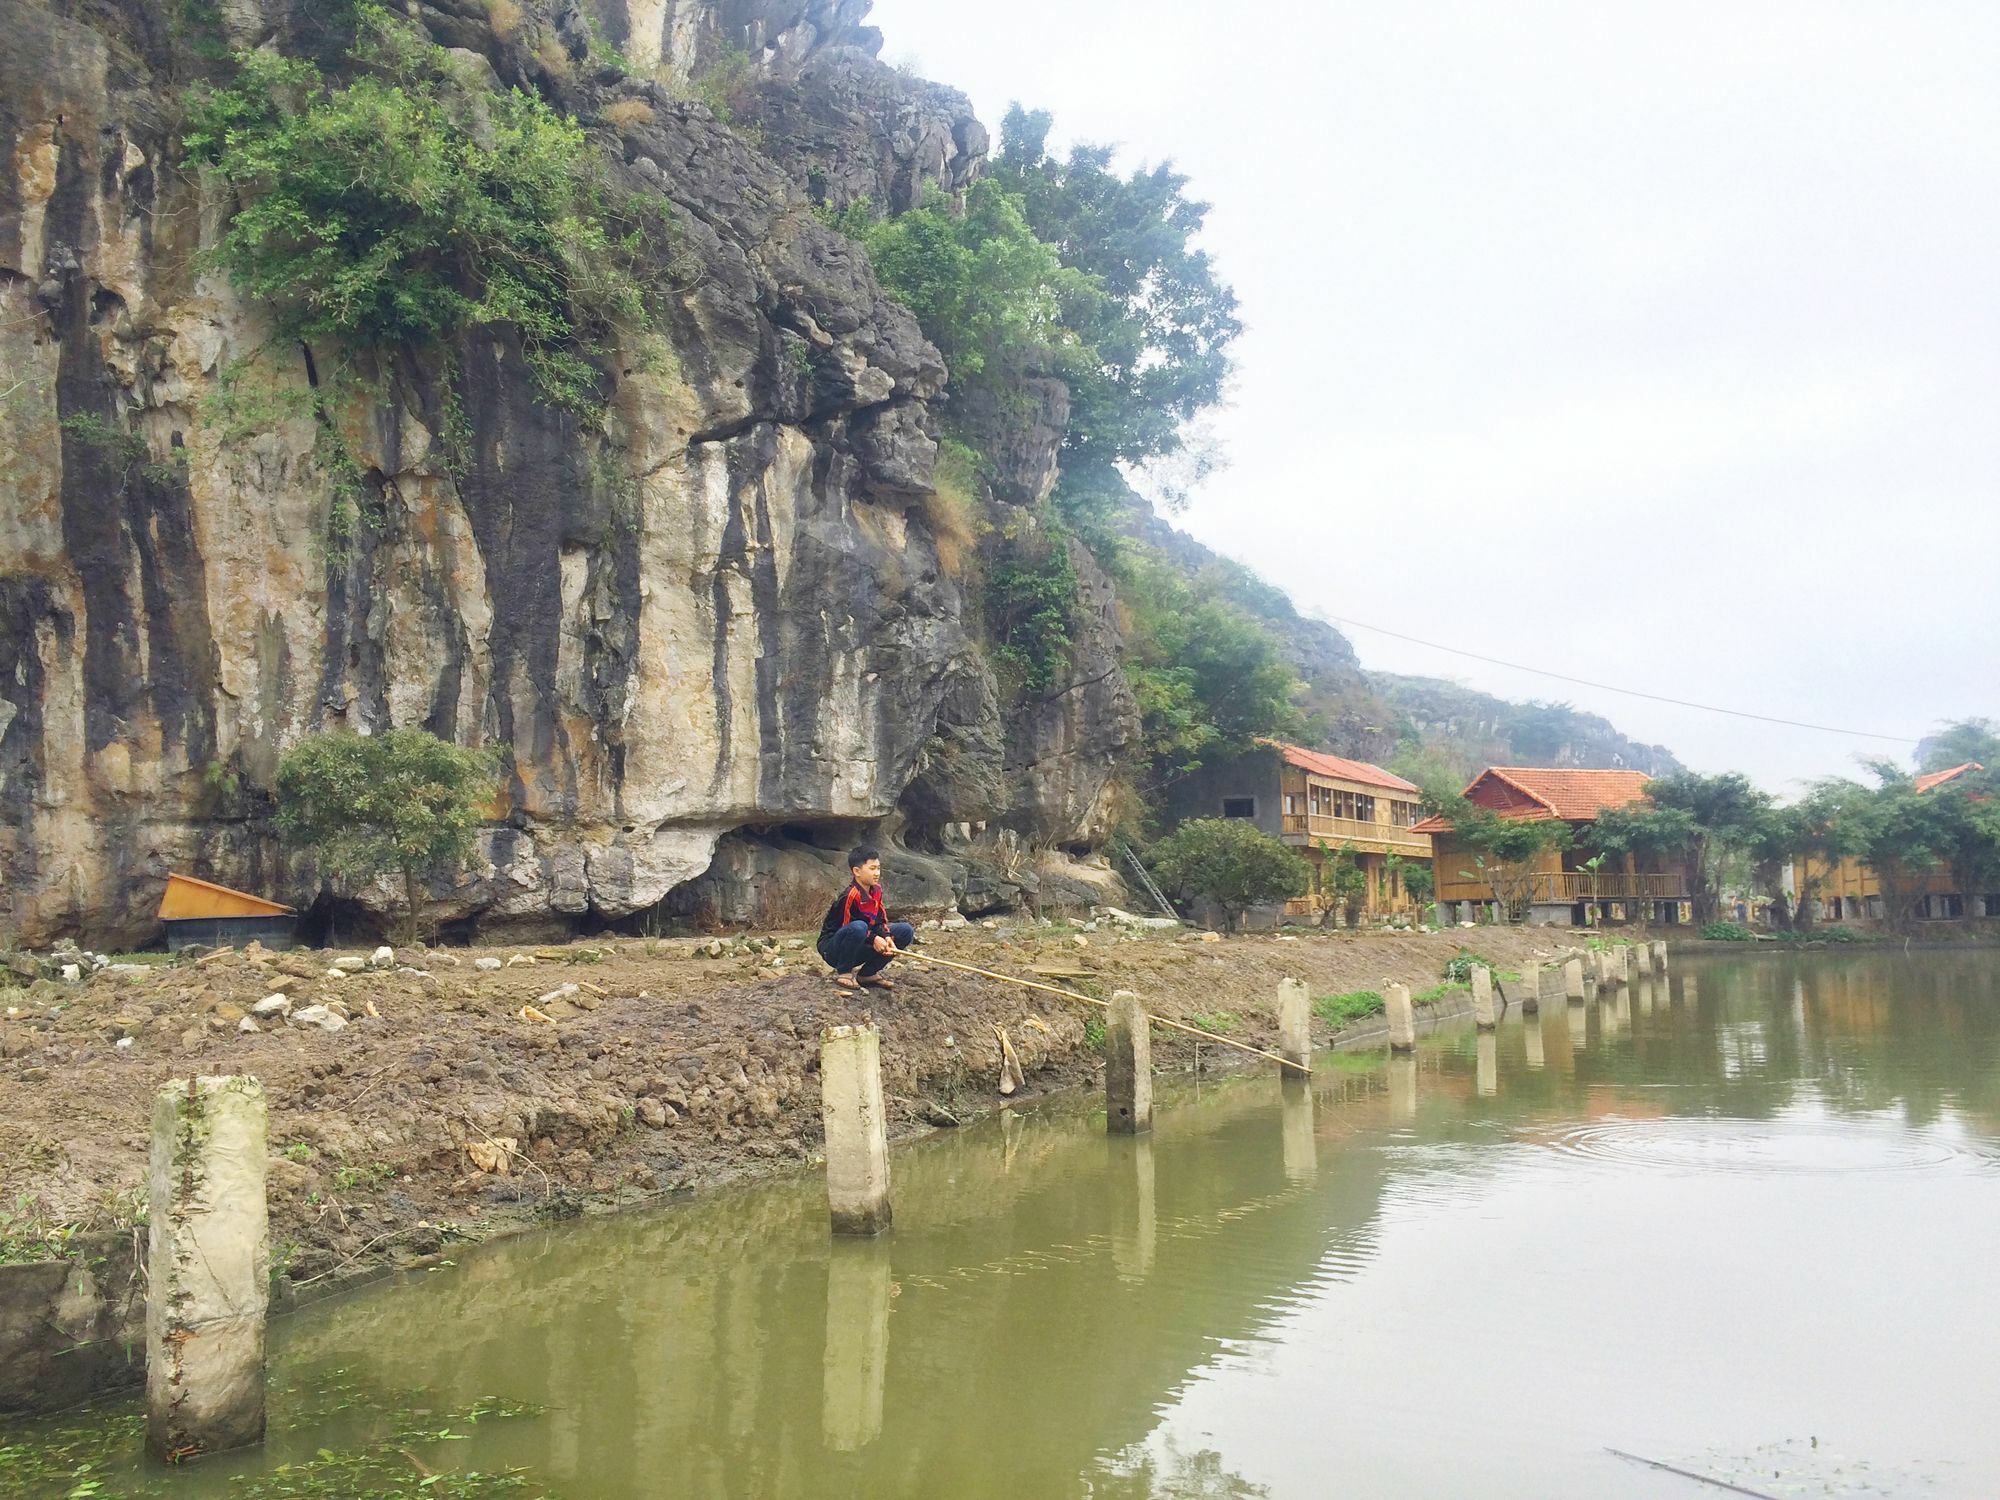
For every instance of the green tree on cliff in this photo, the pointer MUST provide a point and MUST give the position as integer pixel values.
(400, 803)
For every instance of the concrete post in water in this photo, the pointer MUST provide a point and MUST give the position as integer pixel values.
(1294, 1024)
(1488, 1065)
(1402, 1088)
(857, 1129)
(208, 1268)
(1536, 1058)
(1573, 979)
(1402, 1017)
(1531, 989)
(1300, 1150)
(1136, 1240)
(856, 1361)
(1128, 1067)
(1642, 959)
(1484, 1015)
(1625, 966)
(1660, 957)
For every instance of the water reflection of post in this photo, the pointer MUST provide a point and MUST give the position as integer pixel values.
(1533, 1033)
(1579, 1025)
(1489, 1065)
(1133, 1244)
(1642, 990)
(1689, 995)
(1618, 1011)
(858, 1285)
(1402, 1088)
(1301, 1159)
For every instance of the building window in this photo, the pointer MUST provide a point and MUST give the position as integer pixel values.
(1239, 807)
(1364, 809)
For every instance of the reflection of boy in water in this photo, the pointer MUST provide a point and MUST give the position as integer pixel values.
(857, 938)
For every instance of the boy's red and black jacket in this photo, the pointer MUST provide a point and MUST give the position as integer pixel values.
(856, 905)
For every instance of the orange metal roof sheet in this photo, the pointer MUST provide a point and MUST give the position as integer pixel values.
(1542, 792)
(186, 896)
(1939, 778)
(1339, 767)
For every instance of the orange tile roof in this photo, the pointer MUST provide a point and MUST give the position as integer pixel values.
(1540, 792)
(1939, 778)
(1339, 767)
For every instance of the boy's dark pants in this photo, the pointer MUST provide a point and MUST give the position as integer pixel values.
(851, 948)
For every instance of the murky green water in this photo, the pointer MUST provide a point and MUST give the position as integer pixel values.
(1746, 1223)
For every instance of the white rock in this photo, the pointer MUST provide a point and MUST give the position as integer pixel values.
(561, 992)
(320, 1016)
(1081, 941)
(514, 960)
(71, 973)
(273, 1005)
(382, 958)
(1211, 937)
(954, 920)
(248, 1026)
(447, 958)
(124, 1043)
(350, 964)
(336, 973)
(486, 965)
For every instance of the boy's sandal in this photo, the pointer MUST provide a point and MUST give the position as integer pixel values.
(847, 981)
(877, 982)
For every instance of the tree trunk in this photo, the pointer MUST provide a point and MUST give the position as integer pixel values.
(410, 904)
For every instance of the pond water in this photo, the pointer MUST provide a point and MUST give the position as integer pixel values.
(1741, 1222)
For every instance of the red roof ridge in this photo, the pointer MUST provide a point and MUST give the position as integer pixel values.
(1939, 778)
(1338, 767)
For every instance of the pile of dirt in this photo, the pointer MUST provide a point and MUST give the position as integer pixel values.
(423, 1096)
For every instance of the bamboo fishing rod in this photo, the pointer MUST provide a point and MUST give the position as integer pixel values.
(1031, 984)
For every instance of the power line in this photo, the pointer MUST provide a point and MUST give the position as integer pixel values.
(1709, 708)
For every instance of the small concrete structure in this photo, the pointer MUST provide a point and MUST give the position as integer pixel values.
(1660, 958)
(1573, 979)
(857, 1129)
(1402, 1017)
(1626, 956)
(1294, 1024)
(209, 1268)
(1128, 1067)
(1531, 989)
(1484, 1015)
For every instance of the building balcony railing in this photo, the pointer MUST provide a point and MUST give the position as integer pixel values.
(1609, 885)
(1338, 831)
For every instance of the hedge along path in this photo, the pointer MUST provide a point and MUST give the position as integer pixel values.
(1081, 999)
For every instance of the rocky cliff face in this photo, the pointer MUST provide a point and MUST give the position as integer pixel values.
(725, 609)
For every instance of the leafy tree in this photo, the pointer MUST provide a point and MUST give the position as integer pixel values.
(1206, 675)
(1153, 341)
(403, 802)
(1230, 862)
(412, 204)
(1503, 851)
(984, 289)
(1420, 880)
(1698, 822)
(1832, 822)
(1031, 605)
(1966, 740)
(1343, 884)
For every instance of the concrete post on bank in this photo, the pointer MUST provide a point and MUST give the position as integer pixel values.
(1402, 1017)
(208, 1268)
(1660, 958)
(1294, 1024)
(1573, 979)
(1628, 965)
(1484, 1016)
(1128, 1067)
(1531, 989)
(857, 1129)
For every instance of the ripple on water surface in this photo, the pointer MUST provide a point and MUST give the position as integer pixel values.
(1808, 1147)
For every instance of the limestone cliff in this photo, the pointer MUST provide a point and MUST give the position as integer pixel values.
(723, 609)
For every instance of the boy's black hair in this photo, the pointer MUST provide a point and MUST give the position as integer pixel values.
(860, 854)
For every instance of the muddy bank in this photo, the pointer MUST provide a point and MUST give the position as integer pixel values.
(442, 1108)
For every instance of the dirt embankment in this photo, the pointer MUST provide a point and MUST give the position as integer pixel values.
(439, 1109)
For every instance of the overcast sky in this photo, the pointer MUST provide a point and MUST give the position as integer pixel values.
(1656, 344)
